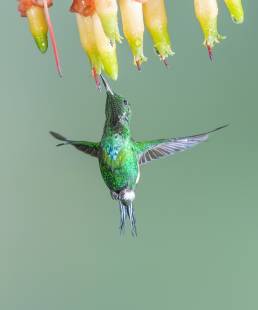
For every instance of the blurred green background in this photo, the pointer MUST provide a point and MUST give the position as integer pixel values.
(196, 212)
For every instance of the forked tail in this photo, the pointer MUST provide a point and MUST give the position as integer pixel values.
(127, 211)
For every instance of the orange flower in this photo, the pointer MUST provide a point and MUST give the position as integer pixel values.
(24, 5)
(83, 7)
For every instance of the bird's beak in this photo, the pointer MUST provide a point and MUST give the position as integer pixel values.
(105, 83)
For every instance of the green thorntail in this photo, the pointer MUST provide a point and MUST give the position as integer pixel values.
(120, 157)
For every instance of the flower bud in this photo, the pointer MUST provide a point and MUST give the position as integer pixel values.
(236, 10)
(38, 27)
(40, 23)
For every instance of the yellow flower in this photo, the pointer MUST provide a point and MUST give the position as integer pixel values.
(88, 42)
(38, 27)
(133, 27)
(107, 12)
(206, 12)
(155, 18)
(106, 50)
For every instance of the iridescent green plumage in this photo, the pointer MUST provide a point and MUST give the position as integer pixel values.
(120, 157)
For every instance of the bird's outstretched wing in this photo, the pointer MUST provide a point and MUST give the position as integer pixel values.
(155, 149)
(90, 148)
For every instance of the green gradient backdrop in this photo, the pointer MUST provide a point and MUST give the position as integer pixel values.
(197, 212)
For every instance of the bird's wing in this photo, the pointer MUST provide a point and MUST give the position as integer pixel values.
(155, 149)
(90, 148)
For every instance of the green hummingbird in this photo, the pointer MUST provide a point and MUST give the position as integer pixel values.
(120, 156)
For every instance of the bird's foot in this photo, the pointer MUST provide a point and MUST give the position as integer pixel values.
(114, 195)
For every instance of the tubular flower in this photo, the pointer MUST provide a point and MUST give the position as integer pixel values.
(155, 18)
(107, 12)
(207, 12)
(133, 27)
(236, 10)
(88, 42)
(34, 11)
(39, 23)
(107, 51)
(100, 51)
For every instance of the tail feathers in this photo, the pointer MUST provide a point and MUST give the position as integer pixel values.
(59, 137)
(218, 128)
(127, 211)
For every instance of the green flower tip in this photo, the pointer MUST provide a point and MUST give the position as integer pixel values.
(163, 50)
(213, 39)
(138, 60)
(136, 45)
(161, 42)
(210, 42)
(110, 27)
(238, 18)
(235, 10)
(109, 64)
(41, 42)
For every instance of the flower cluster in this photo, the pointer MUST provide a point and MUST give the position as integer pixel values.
(97, 22)
(98, 28)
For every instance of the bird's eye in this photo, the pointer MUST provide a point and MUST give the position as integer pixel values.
(125, 102)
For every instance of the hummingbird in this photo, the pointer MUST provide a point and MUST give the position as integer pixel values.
(120, 157)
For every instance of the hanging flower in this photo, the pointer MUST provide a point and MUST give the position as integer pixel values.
(155, 18)
(97, 22)
(39, 21)
(88, 42)
(207, 13)
(107, 51)
(133, 27)
(107, 12)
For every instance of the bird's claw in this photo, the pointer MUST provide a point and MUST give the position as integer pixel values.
(114, 195)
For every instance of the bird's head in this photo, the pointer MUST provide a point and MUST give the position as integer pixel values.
(118, 109)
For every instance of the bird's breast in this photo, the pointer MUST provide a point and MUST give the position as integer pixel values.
(119, 166)
(112, 151)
